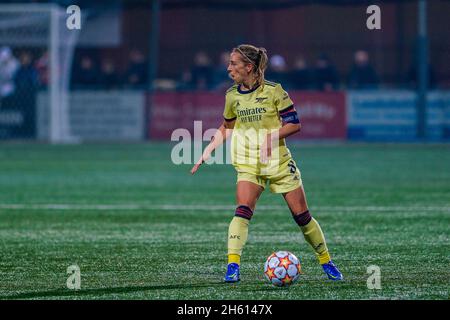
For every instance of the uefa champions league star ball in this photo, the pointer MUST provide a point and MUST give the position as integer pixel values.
(282, 269)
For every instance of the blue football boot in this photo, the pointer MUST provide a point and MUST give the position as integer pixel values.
(232, 273)
(332, 271)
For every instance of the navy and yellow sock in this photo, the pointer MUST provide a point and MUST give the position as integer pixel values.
(313, 235)
(238, 233)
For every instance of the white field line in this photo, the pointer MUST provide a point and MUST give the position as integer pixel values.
(205, 207)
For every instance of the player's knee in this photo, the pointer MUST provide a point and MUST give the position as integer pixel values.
(302, 219)
(244, 211)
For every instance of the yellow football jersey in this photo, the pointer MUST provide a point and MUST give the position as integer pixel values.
(257, 112)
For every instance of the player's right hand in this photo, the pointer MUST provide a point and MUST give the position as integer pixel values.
(196, 166)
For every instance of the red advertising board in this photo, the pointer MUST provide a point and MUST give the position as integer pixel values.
(322, 114)
(170, 111)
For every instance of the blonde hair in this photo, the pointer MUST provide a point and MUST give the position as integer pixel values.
(255, 56)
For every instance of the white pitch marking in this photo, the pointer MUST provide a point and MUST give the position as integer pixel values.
(169, 207)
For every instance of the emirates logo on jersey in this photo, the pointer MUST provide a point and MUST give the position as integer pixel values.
(251, 111)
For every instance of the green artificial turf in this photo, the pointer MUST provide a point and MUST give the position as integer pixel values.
(140, 227)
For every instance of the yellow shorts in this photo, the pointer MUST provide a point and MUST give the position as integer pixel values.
(288, 178)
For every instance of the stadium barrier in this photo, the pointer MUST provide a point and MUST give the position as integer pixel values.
(98, 115)
(323, 114)
(390, 115)
(381, 115)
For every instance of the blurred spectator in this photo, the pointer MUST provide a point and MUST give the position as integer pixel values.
(27, 81)
(325, 75)
(26, 76)
(42, 69)
(85, 73)
(8, 68)
(202, 72)
(185, 82)
(362, 74)
(277, 71)
(109, 78)
(300, 76)
(136, 74)
(221, 79)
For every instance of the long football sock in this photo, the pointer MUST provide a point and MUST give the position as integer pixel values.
(234, 258)
(238, 233)
(313, 235)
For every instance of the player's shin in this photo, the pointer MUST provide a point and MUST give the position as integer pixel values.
(313, 235)
(238, 233)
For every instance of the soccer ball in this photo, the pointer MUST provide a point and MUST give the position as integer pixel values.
(282, 268)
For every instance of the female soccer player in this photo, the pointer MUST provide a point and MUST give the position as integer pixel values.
(262, 115)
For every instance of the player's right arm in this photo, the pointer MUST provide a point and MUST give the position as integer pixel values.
(221, 134)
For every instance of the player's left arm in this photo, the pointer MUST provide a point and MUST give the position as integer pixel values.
(288, 114)
(290, 119)
(291, 122)
(288, 129)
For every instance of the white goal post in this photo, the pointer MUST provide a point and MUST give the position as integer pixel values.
(41, 29)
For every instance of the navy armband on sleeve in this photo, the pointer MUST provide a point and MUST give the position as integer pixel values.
(289, 115)
(228, 120)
